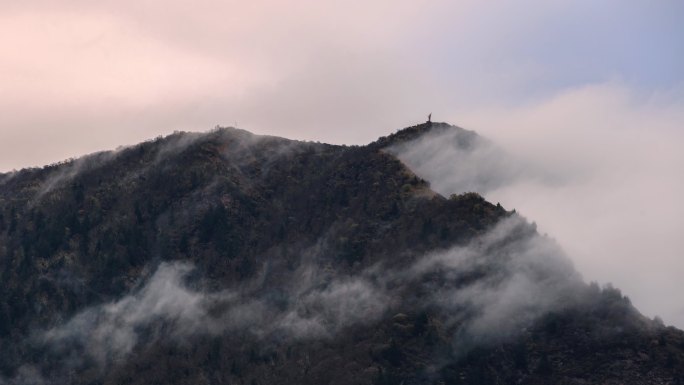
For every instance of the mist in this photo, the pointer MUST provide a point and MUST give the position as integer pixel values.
(522, 276)
(452, 153)
(596, 169)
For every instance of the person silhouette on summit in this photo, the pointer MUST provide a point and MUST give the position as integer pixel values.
(430, 117)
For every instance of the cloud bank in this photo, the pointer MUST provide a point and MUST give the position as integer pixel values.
(599, 169)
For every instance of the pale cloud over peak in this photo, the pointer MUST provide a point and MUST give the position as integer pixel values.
(614, 203)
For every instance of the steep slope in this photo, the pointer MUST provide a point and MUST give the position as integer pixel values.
(228, 257)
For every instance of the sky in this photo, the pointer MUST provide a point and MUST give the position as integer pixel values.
(592, 92)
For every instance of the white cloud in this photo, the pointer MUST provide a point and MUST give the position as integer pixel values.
(603, 176)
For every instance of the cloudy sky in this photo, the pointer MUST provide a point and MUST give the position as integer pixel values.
(592, 91)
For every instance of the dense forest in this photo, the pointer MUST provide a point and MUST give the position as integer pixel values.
(227, 257)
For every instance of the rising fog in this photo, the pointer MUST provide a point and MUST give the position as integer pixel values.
(522, 277)
(596, 170)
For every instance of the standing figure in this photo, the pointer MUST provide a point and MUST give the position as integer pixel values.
(430, 117)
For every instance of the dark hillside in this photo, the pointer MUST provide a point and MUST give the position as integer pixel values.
(228, 257)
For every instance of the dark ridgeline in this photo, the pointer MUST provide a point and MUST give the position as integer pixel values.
(303, 263)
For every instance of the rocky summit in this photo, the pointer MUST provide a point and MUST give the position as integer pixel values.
(232, 258)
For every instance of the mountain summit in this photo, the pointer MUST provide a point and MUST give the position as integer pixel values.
(228, 257)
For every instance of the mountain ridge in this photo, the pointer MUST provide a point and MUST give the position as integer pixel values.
(232, 257)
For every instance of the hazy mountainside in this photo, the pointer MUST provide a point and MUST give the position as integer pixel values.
(228, 257)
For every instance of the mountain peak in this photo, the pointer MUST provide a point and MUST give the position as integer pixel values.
(414, 132)
(229, 257)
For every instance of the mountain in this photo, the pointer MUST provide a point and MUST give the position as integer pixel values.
(232, 258)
